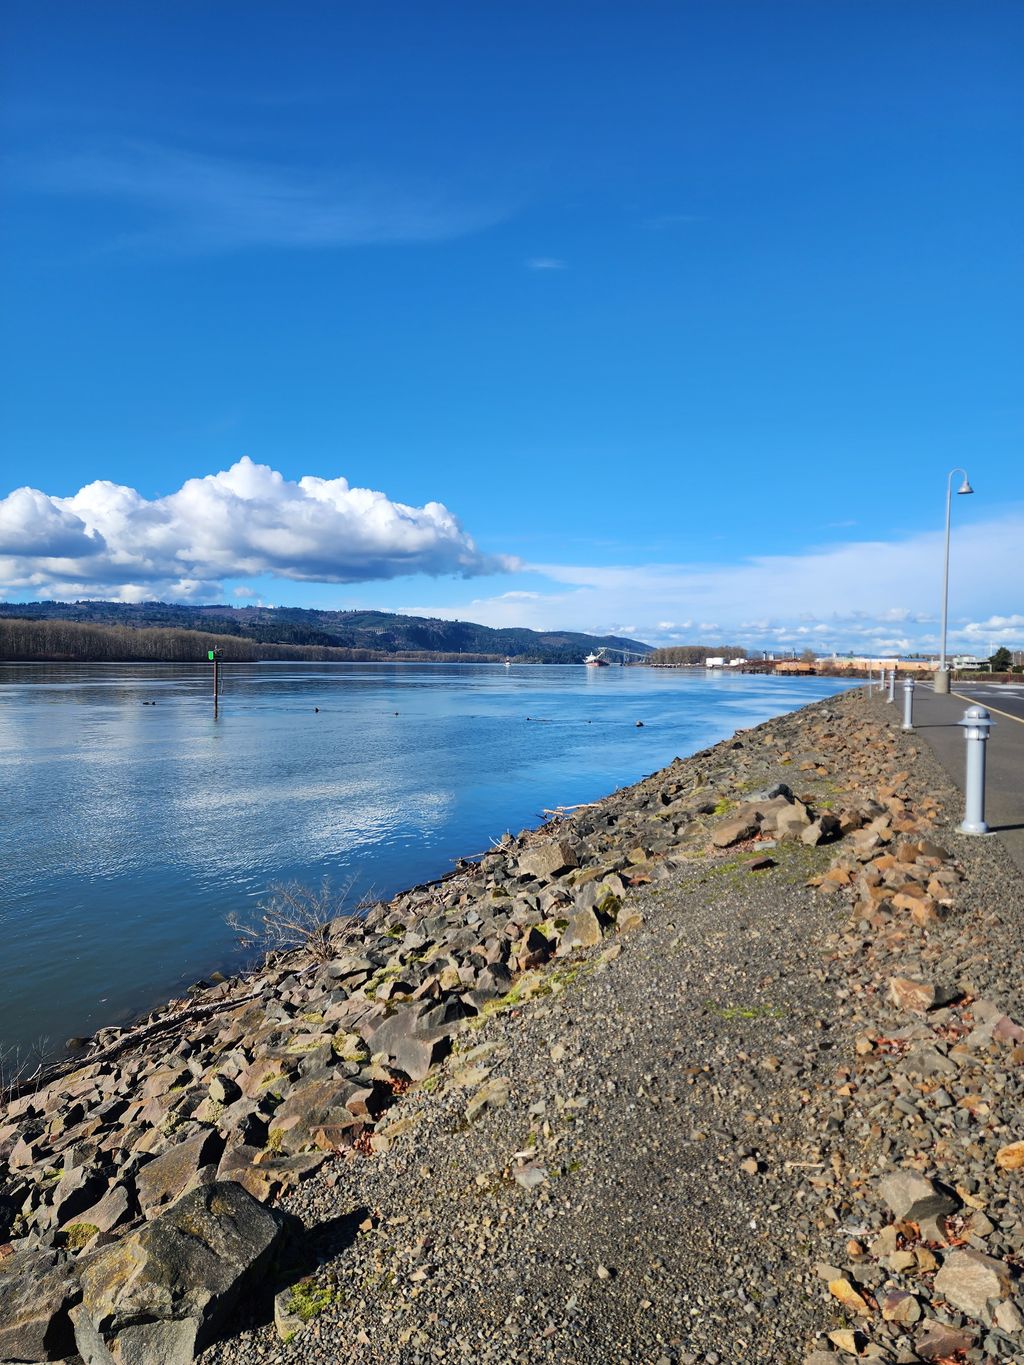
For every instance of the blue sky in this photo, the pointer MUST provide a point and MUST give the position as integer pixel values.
(681, 312)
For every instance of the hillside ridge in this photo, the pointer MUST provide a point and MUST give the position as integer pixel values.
(380, 631)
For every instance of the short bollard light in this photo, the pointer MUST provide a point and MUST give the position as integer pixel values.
(892, 687)
(908, 704)
(976, 726)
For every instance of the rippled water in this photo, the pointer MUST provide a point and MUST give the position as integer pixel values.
(129, 831)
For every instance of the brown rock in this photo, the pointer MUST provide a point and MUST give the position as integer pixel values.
(320, 1101)
(926, 913)
(850, 1342)
(1011, 1157)
(900, 1307)
(919, 996)
(910, 897)
(239, 1163)
(166, 1177)
(165, 1079)
(734, 831)
(261, 1076)
(937, 1341)
(826, 827)
(407, 1039)
(582, 931)
(971, 1281)
(789, 823)
(547, 860)
(844, 1291)
(108, 1212)
(914, 1198)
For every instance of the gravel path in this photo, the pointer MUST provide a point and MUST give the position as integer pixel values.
(643, 1091)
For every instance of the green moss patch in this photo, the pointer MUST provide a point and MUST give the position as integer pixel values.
(309, 1299)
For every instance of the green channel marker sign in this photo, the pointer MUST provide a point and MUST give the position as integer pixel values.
(209, 655)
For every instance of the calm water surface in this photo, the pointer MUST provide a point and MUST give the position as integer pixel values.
(130, 831)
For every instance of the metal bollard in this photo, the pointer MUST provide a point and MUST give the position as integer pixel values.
(976, 725)
(908, 704)
(892, 687)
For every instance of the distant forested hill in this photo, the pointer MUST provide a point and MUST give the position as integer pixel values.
(371, 633)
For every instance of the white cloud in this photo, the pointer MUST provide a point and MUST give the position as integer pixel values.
(194, 202)
(999, 630)
(108, 540)
(545, 263)
(874, 595)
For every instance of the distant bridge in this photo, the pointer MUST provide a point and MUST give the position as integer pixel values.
(624, 656)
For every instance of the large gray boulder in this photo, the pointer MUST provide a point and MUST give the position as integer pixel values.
(161, 1293)
(547, 860)
(411, 1036)
(166, 1177)
(319, 1106)
(36, 1290)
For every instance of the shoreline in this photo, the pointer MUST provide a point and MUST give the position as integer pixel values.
(120, 1033)
(145, 980)
(305, 1089)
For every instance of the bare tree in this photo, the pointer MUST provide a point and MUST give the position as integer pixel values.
(681, 655)
(20, 1068)
(306, 917)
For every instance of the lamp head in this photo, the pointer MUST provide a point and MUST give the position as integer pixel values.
(965, 487)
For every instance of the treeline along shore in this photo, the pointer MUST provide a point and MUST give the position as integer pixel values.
(319, 634)
(74, 641)
(727, 1067)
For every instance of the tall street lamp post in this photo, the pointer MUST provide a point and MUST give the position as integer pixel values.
(942, 675)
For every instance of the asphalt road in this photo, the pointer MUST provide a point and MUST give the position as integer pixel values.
(1006, 697)
(936, 719)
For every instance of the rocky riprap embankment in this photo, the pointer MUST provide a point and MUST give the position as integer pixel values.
(486, 1124)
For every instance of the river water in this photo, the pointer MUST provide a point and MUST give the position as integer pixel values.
(129, 831)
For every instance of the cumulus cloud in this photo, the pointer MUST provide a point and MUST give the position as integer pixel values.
(998, 630)
(32, 523)
(877, 595)
(108, 540)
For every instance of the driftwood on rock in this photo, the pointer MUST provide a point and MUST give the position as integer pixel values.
(135, 1039)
